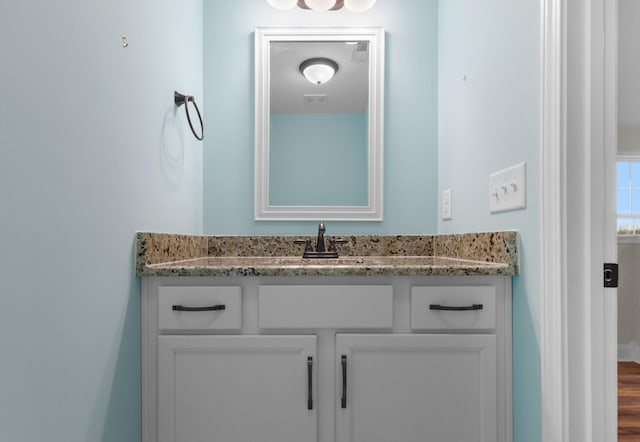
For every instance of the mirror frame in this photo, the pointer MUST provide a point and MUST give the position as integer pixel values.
(375, 124)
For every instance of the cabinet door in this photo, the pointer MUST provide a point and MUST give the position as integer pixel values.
(237, 389)
(416, 388)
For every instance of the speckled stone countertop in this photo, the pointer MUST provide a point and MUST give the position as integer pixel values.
(484, 253)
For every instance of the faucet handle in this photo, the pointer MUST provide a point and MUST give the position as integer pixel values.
(306, 242)
(334, 241)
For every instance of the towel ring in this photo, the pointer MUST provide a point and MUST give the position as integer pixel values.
(180, 99)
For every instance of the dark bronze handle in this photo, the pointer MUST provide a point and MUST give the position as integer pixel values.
(455, 309)
(343, 401)
(309, 377)
(333, 242)
(182, 308)
(307, 244)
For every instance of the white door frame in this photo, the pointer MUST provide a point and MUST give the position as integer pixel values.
(554, 413)
(609, 315)
(577, 158)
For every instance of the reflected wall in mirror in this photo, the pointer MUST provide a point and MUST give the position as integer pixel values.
(318, 129)
(319, 150)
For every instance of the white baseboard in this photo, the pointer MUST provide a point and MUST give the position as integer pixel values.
(629, 352)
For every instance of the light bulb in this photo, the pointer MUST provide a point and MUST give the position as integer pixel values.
(320, 5)
(318, 73)
(359, 5)
(283, 5)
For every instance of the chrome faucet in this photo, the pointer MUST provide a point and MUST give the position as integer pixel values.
(321, 251)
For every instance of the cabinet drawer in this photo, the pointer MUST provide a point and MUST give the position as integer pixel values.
(325, 306)
(453, 307)
(199, 308)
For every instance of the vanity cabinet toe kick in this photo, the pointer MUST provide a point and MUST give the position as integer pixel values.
(326, 360)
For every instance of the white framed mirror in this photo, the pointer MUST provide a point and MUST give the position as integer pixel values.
(318, 142)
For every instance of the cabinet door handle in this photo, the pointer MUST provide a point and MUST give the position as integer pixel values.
(182, 308)
(310, 377)
(455, 309)
(343, 401)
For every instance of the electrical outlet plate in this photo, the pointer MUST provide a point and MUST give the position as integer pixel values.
(446, 204)
(507, 189)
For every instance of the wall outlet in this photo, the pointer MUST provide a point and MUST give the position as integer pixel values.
(507, 189)
(446, 204)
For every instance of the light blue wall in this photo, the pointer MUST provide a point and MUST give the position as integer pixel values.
(410, 160)
(487, 123)
(318, 159)
(90, 151)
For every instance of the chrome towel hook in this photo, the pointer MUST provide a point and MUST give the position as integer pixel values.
(180, 99)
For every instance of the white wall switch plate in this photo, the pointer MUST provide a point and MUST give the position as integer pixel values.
(507, 189)
(446, 204)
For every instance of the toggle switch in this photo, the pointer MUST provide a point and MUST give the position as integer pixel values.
(446, 204)
(507, 189)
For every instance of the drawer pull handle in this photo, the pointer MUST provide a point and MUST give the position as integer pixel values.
(310, 377)
(343, 400)
(455, 309)
(182, 308)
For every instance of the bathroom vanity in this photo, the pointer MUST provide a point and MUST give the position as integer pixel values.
(402, 338)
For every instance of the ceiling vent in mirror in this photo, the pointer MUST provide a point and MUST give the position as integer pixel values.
(313, 100)
(324, 5)
(362, 46)
(360, 52)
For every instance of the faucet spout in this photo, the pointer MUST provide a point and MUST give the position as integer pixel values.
(321, 250)
(320, 242)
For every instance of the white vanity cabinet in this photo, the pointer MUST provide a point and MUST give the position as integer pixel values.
(417, 388)
(236, 388)
(326, 359)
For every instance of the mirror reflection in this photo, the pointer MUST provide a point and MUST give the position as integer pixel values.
(319, 123)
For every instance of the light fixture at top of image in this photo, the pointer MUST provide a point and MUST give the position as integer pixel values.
(324, 5)
(283, 4)
(320, 5)
(359, 5)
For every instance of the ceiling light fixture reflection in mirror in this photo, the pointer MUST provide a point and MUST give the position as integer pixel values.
(319, 124)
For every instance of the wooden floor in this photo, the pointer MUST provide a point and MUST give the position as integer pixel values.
(628, 401)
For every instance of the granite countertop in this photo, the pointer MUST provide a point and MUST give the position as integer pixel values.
(484, 253)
